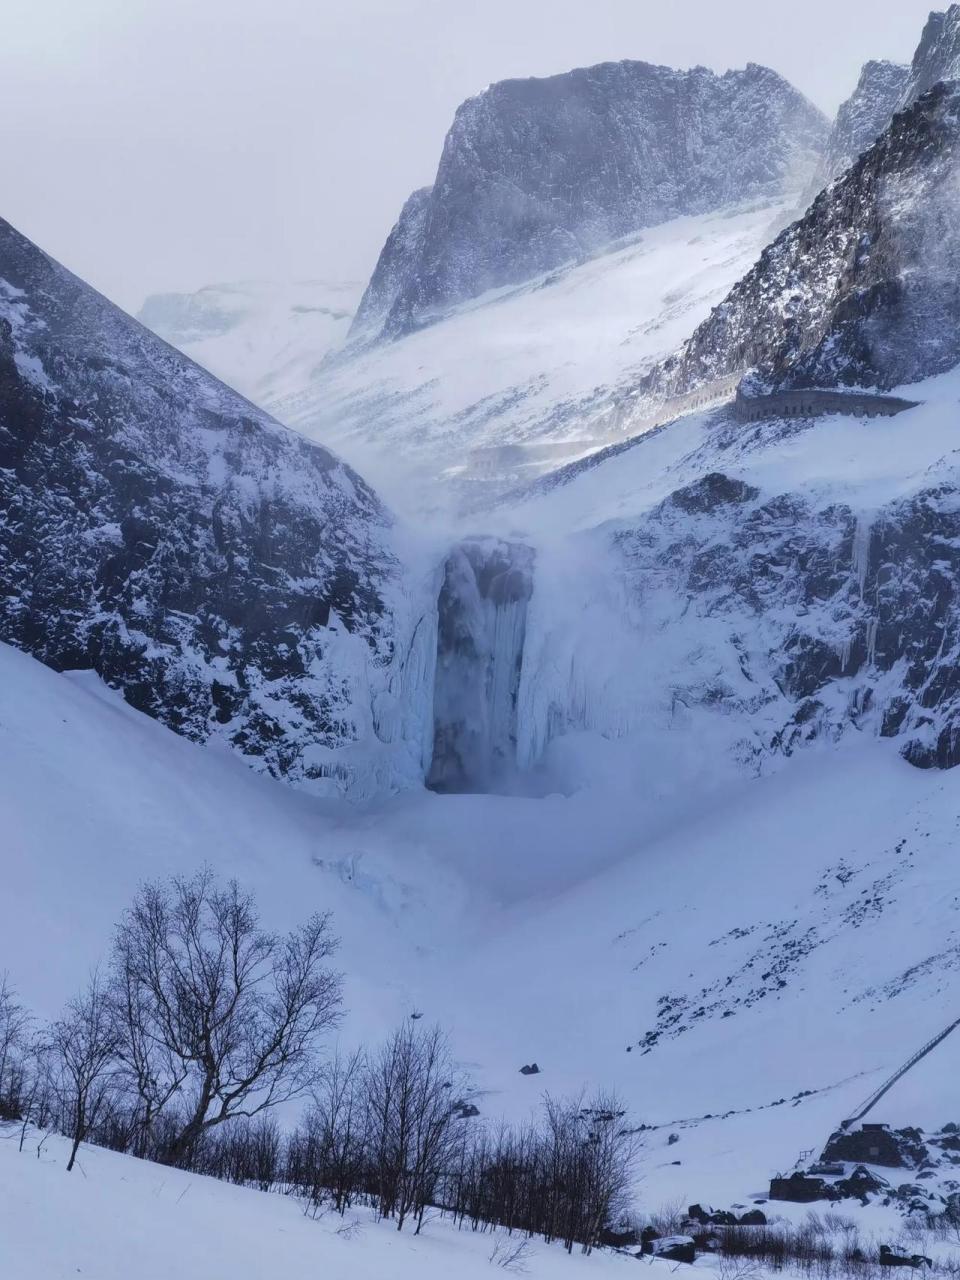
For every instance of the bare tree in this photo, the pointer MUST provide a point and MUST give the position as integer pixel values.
(216, 1012)
(38, 1099)
(15, 1028)
(148, 1068)
(337, 1132)
(415, 1095)
(84, 1042)
(609, 1156)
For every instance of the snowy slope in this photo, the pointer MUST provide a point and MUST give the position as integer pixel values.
(124, 1217)
(262, 337)
(523, 378)
(797, 933)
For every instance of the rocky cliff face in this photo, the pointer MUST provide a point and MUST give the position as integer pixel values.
(836, 620)
(864, 289)
(537, 173)
(227, 576)
(860, 120)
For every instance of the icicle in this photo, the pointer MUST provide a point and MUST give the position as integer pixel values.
(861, 552)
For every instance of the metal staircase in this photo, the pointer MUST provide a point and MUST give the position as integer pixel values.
(874, 1098)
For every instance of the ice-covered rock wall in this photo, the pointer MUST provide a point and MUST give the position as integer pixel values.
(482, 617)
(860, 121)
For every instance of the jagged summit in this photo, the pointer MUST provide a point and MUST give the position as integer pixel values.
(884, 88)
(540, 172)
(937, 56)
(860, 119)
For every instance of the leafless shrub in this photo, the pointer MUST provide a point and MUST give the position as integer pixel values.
(512, 1255)
(85, 1044)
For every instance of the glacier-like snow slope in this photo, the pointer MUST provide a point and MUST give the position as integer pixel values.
(263, 337)
(799, 933)
(511, 384)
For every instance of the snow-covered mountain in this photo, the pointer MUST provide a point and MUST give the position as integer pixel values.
(673, 728)
(264, 339)
(539, 173)
(937, 57)
(513, 384)
(228, 576)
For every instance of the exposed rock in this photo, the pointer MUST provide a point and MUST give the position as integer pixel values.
(800, 1188)
(877, 1144)
(861, 1185)
(672, 1248)
(753, 1218)
(712, 491)
(937, 56)
(889, 1258)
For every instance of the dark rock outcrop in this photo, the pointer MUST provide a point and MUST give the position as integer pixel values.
(542, 172)
(877, 1144)
(813, 596)
(671, 1248)
(800, 1188)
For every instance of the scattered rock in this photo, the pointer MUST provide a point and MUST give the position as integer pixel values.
(672, 1248)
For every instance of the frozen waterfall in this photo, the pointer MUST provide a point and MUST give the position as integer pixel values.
(481, 627)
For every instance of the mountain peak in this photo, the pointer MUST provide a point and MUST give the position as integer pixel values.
(937, 56)
(539, 173)
(860, 119)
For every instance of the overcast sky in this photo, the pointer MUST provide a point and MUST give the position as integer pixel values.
(164, 144)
